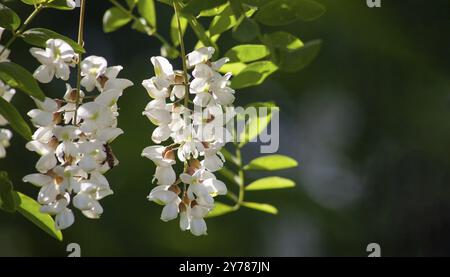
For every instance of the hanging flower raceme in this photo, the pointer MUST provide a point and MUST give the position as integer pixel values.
(196, 134)
(73, 135)
(6, 92)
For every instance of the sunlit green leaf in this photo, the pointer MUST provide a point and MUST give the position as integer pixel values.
(226, 20)
(114, 18)
(174, 29)
(39, 36)
(254, 74)
(269, 183)
(59, 5)
(267, 208)
(234, 68)
(147, 9)
(194, 7)
(33, 2)
(142, 26)
(247, 53)
(18, 77)
(271, 162)
(220, 209)
(8, 18)
(29, 208)
(283, 40)
(282, 12)
(256, 124)
(14, 118)
(214, 11)
(8, 197)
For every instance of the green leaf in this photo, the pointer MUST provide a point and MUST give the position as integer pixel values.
(8, 18)
(226, 20)
(271, 183)
(39, 36)
(114, 18)
(14, 118)
(283, 12)
(234, 68)
(283, 40)
(200, 32)
(229, 157)
(58, 4)
(147, 9)
(214, 11)
(228, 174)
(247, 53)
(256, 124)
(29, 208)
(247, 30)
(267, 208)
(271, 162)
(18, 77)
(194, 7)
(220, 209)
(131, 3)
(254, 74)
(33, 2)
(8, 197)
(294, 60)
(174, 29)
(141, 25)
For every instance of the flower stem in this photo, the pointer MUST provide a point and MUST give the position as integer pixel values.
(17, 33)
(183, 54)
(81, 43)
(241, 176)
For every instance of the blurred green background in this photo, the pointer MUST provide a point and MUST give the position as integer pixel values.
(369, 122)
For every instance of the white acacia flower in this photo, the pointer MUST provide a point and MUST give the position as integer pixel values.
(6, 93)
(203, 184)
(46, 113)
(164, 73)
(47, 151)
(92, 68)
(109, 80)
(95, 116)
(164, 159)
(91, 191)
(5, 52)
(200, 55)
(55, 59)
(193, 219)
(64, 217)
(153, 91)
(213, 158)
(167, 196)
(189, 144)
(5, 137)
(69, 108)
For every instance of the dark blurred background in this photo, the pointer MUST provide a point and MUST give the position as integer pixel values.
(369, 122)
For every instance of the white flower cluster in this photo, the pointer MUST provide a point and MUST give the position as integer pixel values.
(73, 137)
(194, 133)
(6, 92)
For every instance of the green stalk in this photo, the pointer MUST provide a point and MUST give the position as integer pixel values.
(183, 55)
(81, 43)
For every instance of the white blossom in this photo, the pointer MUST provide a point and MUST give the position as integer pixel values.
(55, 59)
(75, 152)
(197, 137)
